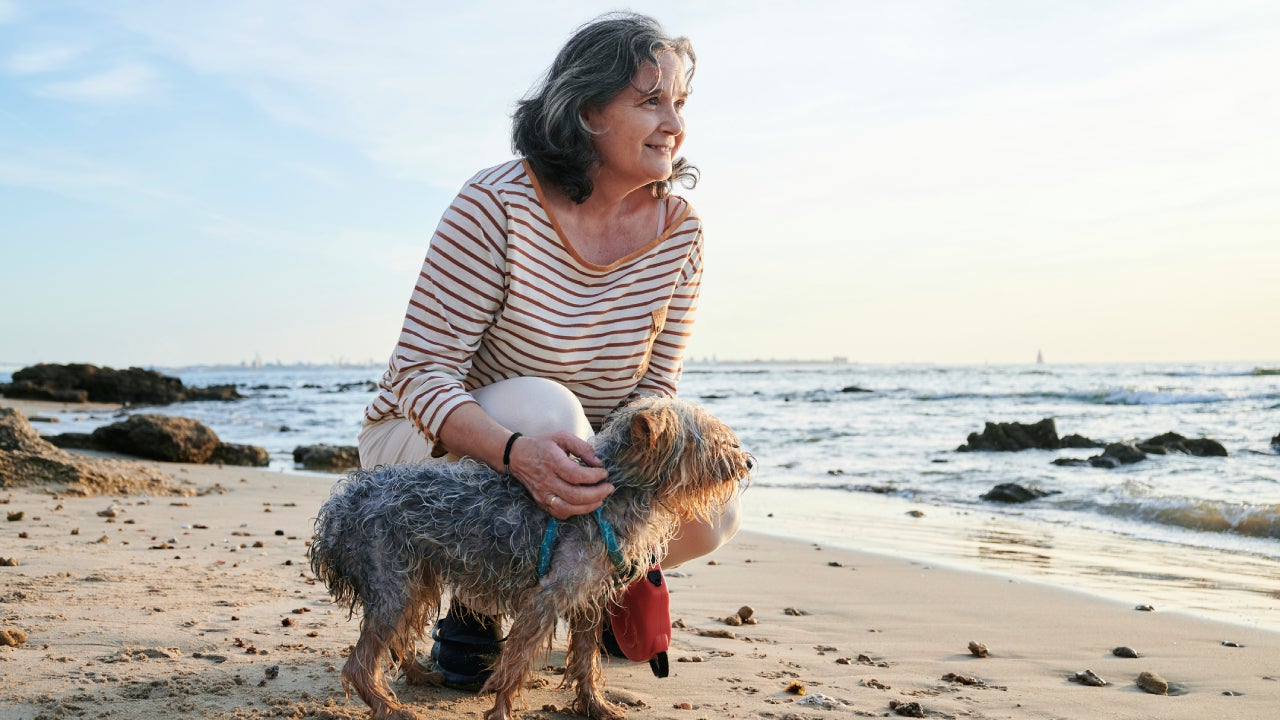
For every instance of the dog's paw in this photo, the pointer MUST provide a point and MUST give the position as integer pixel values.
(597, 708)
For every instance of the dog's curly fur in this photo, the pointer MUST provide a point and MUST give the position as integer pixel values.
(394, 539)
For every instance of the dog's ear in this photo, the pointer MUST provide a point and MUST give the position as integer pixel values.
(648, 427)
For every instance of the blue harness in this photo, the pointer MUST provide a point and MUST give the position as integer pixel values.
(606, 531)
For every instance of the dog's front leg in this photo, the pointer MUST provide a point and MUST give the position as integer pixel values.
(582, 667)
(531, 627)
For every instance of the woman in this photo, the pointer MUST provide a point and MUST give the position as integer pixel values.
(556, 288)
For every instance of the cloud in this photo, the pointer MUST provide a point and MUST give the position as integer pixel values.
(125, 82)
(37, 60)
(8, 12)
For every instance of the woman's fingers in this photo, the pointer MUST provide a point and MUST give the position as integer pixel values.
(559, 485)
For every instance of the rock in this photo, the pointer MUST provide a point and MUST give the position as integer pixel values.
(12, 637)
(27, 459)
(240, 455)
(1124, 652)
(73, 441)
(328, 458)
(1153, 683)
(221, 393)
(1173, 442)
(1070, 462)
(745, 612)
(977, 649)
(81, 383)
(1011, 437)
(907, 709)
(17, 435)
(159, 437)
(1120, 453)
(854, 389)
(1080, 441)
(1088, 677)
(1015, 493)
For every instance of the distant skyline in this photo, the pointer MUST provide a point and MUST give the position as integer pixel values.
(189, 183)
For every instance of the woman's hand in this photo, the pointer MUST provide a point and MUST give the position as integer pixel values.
(556, 481)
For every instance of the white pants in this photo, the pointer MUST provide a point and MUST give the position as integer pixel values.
(536, 406)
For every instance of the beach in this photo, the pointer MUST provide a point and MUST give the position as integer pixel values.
(202, 605)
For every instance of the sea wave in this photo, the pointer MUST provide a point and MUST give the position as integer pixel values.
(1249, 519)
(1105, 396)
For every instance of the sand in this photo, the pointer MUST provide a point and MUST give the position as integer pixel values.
(205, 607)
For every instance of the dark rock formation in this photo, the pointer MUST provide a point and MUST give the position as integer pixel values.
(1070, 462)
(1080, 441)
(80, 382)
(27, 459)
(327, 458)
(159, 437)
(1275, 442)
(1117, 454)
(1173, 442)
(854, 389)
(1015, 493)
(163, 438)
(1014, 436)
(240, 455)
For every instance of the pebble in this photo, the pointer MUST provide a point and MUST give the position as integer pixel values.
(1088, 677)
(272, 672)
(916, 513)
(734, 620)
(907, 709)
(746, 611)
(16, 516)
(12, 637)
(1228, 643)
(9, 562)
(962, 679)
(1153, 683)
(794, 612)
(683, 706)
(977, 649)
(795, 687)
(1144, 608)
(1124, 652)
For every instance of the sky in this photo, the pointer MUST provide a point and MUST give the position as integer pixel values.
(917, 181)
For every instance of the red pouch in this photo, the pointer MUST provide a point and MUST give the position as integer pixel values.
(641, 620)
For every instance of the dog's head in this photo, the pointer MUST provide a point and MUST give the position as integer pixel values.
(693, 461)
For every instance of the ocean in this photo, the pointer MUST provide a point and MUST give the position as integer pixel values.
(864, 457)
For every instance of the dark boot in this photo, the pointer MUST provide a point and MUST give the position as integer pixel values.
(467, 645)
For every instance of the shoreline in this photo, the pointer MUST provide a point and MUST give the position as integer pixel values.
(1237, 587)
(184, 605)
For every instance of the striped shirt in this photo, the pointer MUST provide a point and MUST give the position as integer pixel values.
(502, 294)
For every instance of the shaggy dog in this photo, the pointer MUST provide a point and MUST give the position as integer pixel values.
(395, 539)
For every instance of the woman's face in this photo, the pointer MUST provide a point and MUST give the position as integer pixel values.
(638, 133)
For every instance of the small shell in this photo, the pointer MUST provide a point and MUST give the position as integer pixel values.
(1088, 677)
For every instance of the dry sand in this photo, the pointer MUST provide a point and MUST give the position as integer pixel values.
(205, 607)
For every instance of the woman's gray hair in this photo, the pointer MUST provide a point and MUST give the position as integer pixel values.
(598, 62)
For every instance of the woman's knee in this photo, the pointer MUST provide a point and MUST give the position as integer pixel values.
(534, 406)
(697, 538)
